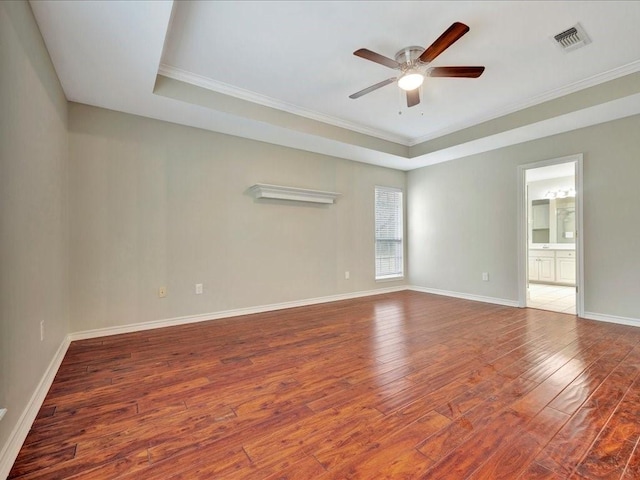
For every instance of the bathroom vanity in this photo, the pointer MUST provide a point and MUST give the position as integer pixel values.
(552, 263)
(552, 229)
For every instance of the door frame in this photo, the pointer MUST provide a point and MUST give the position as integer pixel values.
(523, 247)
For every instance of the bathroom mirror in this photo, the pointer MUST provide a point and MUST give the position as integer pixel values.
(553, 220)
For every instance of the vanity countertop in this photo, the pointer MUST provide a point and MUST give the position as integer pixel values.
(552, 246)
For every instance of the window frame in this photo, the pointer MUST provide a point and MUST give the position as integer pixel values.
(399, 230)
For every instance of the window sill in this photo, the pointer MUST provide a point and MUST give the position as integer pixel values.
(390, 278)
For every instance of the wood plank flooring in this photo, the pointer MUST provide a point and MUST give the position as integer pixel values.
(402, 385)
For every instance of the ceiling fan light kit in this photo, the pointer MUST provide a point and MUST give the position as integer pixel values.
(411, 80)
(413, 65)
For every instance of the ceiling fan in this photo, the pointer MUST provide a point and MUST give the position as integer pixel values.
(413, 65)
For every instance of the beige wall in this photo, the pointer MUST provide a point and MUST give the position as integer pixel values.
(33, 212)
(157, 204)
(463, 214)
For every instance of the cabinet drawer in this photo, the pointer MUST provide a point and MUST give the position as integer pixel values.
(541, 253)
(565, 254)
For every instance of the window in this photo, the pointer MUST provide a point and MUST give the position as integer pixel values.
(389, 232)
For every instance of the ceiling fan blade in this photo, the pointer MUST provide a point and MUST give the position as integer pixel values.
(462, 72)
(376, 57)
(413, 97)
(372, 88)
(444, 41)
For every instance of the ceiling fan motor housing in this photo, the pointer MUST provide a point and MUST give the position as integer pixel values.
(408, 58)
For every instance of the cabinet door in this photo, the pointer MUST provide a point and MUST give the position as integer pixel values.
(533, 268)
(566, 270)
(547, 269)
(540, 216)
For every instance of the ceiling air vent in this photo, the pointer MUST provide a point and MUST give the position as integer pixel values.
(572, 38)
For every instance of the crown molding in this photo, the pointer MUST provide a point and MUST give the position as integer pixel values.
(242, 94)
(630, 68)
(226, 89)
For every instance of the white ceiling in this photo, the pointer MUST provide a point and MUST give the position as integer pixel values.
(257, 60)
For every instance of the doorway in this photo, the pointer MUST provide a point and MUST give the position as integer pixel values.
(550, 251)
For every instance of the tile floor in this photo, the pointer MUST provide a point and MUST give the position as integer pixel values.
(556, 298)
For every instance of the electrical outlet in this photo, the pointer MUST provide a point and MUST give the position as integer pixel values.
(485, 276)
(41, 330)
(198, 289)
(2, 412)
(162, 292)
(346, 275)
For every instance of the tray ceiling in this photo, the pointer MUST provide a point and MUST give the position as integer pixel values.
(282, 72)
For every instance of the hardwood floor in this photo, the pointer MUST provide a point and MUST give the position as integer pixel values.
(403, 385)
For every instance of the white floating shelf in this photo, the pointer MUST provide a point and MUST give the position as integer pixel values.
(261, 190)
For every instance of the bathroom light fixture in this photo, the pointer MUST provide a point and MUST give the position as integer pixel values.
(411, 80)
(561, 193)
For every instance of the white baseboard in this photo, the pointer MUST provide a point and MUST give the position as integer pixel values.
(466, 296)
(19, 434)
(634, 322)
(170, 322)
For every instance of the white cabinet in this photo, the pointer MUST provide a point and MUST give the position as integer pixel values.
(542, 266)
(540, 214)
(552, 266)
(566, 266)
